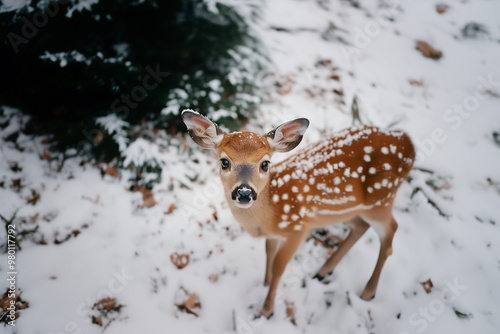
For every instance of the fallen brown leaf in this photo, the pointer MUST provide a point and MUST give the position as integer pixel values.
(34, 218)
(111, 171)
(414, 82)
(190, 304)
(34, 197)
(16, 184)
(179, 260)
(149, 200)
(441, 8)
(97, 320)
(428, 51)
(290, 312)
(339, 92)
(427, 285)
(171, 208)
(5, 303)
(106, 304)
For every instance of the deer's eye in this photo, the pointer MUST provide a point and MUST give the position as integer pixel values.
(265, 166)
(224, 164)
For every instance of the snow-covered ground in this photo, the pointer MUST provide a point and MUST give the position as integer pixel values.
(96, 239)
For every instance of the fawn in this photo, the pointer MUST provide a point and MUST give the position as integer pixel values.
(349, 177)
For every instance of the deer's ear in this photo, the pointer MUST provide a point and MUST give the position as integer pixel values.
(203, 131)
(288, 135)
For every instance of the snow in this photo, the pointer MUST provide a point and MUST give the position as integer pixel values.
(125, 250)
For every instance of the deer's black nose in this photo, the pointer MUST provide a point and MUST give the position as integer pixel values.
(244, 194)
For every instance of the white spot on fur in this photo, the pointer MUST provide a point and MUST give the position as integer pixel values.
(368, 149)
(302, 211)
(336, 180)
(295, 217)
(372, 170)
(387, 166)
(348, 188)
(300, 197)
(306, 188)
(400, 155)
(393, 148)
(286, 178)
(276, 198)
(384, 150)
(286, 208)
(283, 224)
(336, 190)
(347, 172)
(363, 178)
(311, 181)
(295, 189)
(284, 196)
(341, 164)
(377, 185)
(369, 189)
(367, 158)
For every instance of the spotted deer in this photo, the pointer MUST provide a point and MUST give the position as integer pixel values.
(349, 177)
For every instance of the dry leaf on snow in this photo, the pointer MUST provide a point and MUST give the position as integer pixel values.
(427, 285)
(111, 171)
(428, 51)
(190, 304)
(290, 312)
(179, 260)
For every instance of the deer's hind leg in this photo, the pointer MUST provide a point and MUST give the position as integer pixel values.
(386, 227)
(358, 228)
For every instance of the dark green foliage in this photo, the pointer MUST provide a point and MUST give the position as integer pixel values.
(106, 54)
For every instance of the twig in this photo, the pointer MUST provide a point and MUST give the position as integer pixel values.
(424, 170)
(430, 201)
(355, 111)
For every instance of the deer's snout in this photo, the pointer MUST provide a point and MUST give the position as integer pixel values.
(244, 194)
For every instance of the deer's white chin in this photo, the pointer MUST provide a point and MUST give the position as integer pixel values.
(243, 205)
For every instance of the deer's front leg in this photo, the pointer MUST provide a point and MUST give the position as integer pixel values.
(285, 252)
(271, 248)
